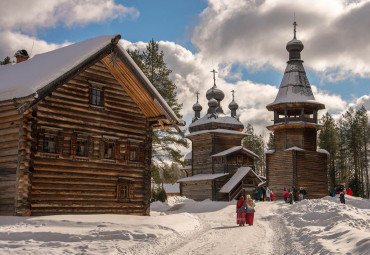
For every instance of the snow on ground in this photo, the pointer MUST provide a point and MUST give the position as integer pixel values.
(183, 226)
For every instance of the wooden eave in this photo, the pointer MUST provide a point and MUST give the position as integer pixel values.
(306, 104)
(297, 124)
(138, 89)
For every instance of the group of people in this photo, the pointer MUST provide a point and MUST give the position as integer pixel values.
(263, 193)
(341, 190)
(292, 195)
(245, 211)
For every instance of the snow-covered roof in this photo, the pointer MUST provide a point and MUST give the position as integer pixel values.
(188, 156)
(323, 151)
(188, 167)
(295, 87)
(32, 77)
(171, 188)
(201, 177)
(26, 78)
(294, 148)
(219, 130)
(236, 178)
(269, 151)
(234, 149)
(222, 118)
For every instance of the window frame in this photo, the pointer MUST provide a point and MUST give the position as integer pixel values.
(93, 97)
(125, 190)
(45, 140)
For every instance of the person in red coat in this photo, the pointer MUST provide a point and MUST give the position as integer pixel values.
(349, 192)
(240, 211)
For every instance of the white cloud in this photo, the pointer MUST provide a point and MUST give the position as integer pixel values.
(191, 73)
(254, 34)
(32, 14)
(13, 41)
(20, 20)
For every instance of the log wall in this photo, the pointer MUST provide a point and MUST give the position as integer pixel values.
(198, 191)
(63, 182)
(202, 150)
(311, 173)
(304, 138)
(10, 123)
(279, 171)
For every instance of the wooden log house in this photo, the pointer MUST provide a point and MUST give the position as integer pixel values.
(217, 153)
(296, 161)
(76, 129)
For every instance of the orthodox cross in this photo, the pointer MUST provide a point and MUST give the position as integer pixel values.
(295, 25)
(233, 91)
(214, 77)
(197, 95)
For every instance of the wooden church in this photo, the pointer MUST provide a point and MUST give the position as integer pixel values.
(76, 129)
(296, 161)
(219, 168)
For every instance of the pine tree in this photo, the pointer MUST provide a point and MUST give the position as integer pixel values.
(256, 144)
(166, 144)
(158, 74)
(5, 61)
(328, 140)
(271, 142)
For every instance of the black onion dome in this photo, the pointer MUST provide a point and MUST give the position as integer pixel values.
(294, 45)
(233, 105)
(212, 102)
(197, 107)
(215, 93)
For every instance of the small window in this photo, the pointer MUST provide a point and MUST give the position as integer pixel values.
(133, 155)
(49, 143)
(125, 190)
(96, 97)
(108, 150)
(81, 148)
(122, 191)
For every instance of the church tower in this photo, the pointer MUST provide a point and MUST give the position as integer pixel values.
(295, 161)
(219, 168)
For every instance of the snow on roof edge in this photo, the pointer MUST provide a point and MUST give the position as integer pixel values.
(201, 177)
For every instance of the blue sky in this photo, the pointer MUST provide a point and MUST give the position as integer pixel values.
(243, 39)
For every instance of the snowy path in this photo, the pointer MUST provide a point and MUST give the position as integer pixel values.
(183, 226)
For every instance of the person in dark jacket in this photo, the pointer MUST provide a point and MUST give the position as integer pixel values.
(341, 198)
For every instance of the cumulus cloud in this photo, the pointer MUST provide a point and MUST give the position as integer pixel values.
(33, 14)
(20, 20)
(253, 33)
(191, 73)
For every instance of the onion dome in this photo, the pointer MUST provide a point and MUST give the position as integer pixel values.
(212, 103)
(233, 105)
(197, 107)
(215, 93)
(294, 45)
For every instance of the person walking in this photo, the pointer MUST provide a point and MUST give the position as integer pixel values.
(240, 211)
(250, 210)
(272, 197)
(290, 198)
(285, 195)
(341, 198)
(268, 193)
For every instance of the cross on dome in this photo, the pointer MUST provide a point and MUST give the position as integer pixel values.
(214, 77)
(295, 27)
(232, 92)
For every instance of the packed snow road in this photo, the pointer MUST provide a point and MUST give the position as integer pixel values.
(183, 226)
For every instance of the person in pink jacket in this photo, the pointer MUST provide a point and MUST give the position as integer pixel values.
(272, 195)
